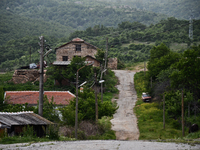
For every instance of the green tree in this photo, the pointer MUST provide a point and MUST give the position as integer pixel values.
(49, 109)
(157, 60)
(187, 71)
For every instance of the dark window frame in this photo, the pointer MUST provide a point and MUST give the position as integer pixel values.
(78, 47)
(65, 58)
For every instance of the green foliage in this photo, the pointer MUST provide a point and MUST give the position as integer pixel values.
(49, 109)
(16, 108)
(151, 125)
(161, 59)
(111, 81)
(1, 96)
(105, 124)
(52, 132)
(86, 108)
(28, 132)
(187, 71)
(100, 55)
(141, 84)
(173, 103)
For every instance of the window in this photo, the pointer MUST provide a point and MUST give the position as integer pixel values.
(78, 47)
(65, 58)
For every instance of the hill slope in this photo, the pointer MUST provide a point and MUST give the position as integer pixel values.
(34, 17)
(13, 26)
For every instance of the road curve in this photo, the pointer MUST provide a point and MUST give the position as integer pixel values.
(124, 121)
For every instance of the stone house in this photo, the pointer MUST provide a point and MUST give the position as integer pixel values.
(76, 47)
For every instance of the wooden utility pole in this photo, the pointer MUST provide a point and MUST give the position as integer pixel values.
(76, 113)
(144, 68)
(183, 131)
(40, 111)
(76, 117)
(164, 111)
(106, 53)
(101, 84)
(96, 100)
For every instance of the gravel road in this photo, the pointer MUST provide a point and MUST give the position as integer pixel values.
(99, 145)
(124, 120)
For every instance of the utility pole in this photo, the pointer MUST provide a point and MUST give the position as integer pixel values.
(96, 100)
(76, 113)
(106, 53)
(144, 68)
(41, 92)
(182, 110)
(101, 84)
(164, 111)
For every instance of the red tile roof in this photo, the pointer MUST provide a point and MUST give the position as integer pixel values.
(31, 97)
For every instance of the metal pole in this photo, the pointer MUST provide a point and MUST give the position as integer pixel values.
(41, 77)
(183, 132)
(76, 117)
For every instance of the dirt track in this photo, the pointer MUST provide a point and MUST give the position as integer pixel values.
(124, 121)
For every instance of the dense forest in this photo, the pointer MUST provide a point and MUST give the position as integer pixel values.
(21, 17)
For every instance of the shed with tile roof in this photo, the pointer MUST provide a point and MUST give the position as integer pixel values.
(15, 122)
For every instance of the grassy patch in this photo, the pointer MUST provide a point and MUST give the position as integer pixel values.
(178, 46)
(135, 66)
(150, 122)
(19, 139)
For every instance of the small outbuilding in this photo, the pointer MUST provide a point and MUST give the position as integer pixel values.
(13, 123)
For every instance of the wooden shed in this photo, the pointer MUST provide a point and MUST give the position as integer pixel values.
(13, 123)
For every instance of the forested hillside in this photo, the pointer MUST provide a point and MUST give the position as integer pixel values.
(181, 9)
(13, 26)
(130, 41)
(20, 18)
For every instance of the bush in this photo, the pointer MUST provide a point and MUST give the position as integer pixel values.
(86, 108)
(28, 132)
(53, 132)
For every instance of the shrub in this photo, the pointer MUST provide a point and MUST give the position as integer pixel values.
(53, 132)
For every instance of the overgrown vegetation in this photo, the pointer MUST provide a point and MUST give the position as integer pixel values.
(171, 73)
